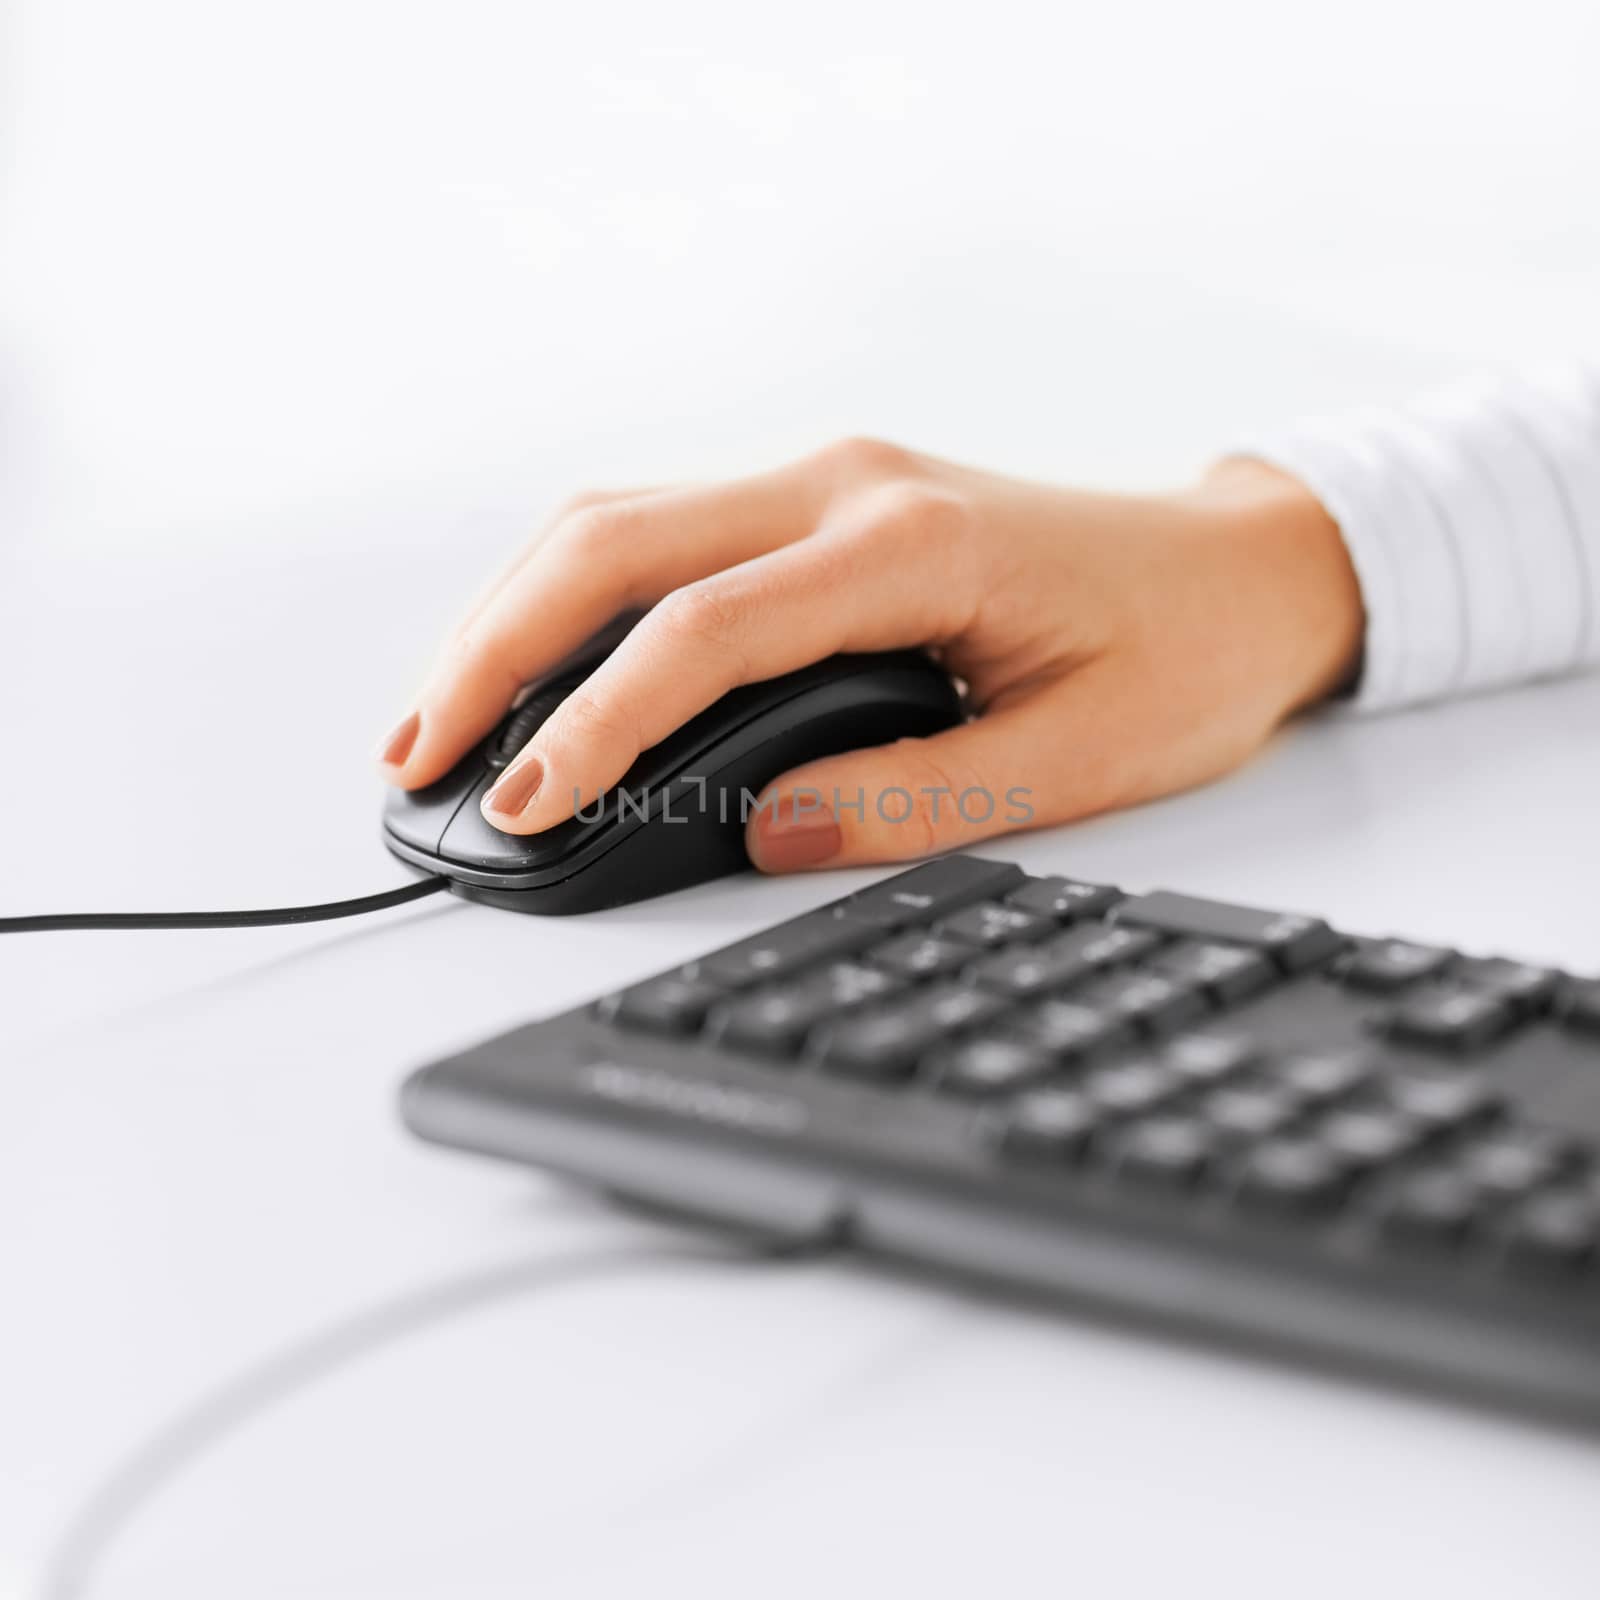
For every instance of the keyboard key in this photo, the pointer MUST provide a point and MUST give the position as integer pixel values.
(954, 1007)
(1146, 999)
(1451, 1019)
(1294, 942)
(775, 1021)
(1557, 1231)
(1242, 1112)
(930, 891)
(675, 1003)
(1367, 1138)
(1579, 1006)
(1052, 1124)
(1388, 964)
(1293, 1175)
(789, 947)
(1432, 1208)
(1443, 1104)
(1132, 1086)
(1320, 1076)
(1062, 960)
(1509, 1163)
(1089, 946)
(921, 955)
(990, 923)
(1226, 972)
(1068, 1029)
(1166, 1150)
(1028, 970)
(988, 1066)
(1064, 899)
(1208, 1057)
(880, 1045)
(1526, 989)
(887, 1041)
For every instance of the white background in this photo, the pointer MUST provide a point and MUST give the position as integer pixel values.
(310, 310)
(262, 258)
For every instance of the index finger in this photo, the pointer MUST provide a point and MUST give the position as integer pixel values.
(602, 559)
(848, 588)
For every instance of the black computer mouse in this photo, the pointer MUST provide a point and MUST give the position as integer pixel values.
(677, 817)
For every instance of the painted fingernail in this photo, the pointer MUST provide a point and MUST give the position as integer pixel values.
(799, 831)
(515, 787)
(394, 750)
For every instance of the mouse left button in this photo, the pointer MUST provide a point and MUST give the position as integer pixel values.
(472, 840)
(418, 817)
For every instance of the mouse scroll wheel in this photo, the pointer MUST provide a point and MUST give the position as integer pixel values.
(525, 721)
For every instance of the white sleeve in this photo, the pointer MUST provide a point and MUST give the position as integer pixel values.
(1472, 517)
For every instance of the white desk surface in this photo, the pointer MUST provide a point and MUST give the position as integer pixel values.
(218, 1245)
(309, 310)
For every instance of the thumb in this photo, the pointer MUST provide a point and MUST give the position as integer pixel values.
(1024, 766)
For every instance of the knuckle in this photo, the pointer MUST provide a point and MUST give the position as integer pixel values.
(463, 647)
(592, 532)
(936, 784)
(923, 514)
(583, 500)
(928, 529)
(860, 456)
(703, 614)
(584, 718)
(478, 652)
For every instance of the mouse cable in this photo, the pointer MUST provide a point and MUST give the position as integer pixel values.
(98, 1525)
(77, 920)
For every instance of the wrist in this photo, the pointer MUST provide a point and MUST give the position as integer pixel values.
(1291, 544)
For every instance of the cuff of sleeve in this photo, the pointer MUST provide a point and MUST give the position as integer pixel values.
(1472, 517)
(1414, 642)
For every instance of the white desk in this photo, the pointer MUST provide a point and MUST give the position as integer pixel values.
(308, 310)
(205, 1200)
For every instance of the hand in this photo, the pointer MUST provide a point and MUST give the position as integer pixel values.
(1116, 648)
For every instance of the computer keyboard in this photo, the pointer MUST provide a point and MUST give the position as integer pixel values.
(1243, 1123)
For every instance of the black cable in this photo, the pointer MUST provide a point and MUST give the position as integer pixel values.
(59, 922)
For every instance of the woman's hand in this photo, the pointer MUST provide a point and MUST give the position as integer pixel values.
(1116, 648)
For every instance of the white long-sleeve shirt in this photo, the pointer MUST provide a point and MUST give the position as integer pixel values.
(1472, 517)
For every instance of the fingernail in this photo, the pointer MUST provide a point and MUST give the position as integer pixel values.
(394, 750)
(798, 831)
(515, 787)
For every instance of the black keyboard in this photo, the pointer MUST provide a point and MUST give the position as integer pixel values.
(1379, 1153)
